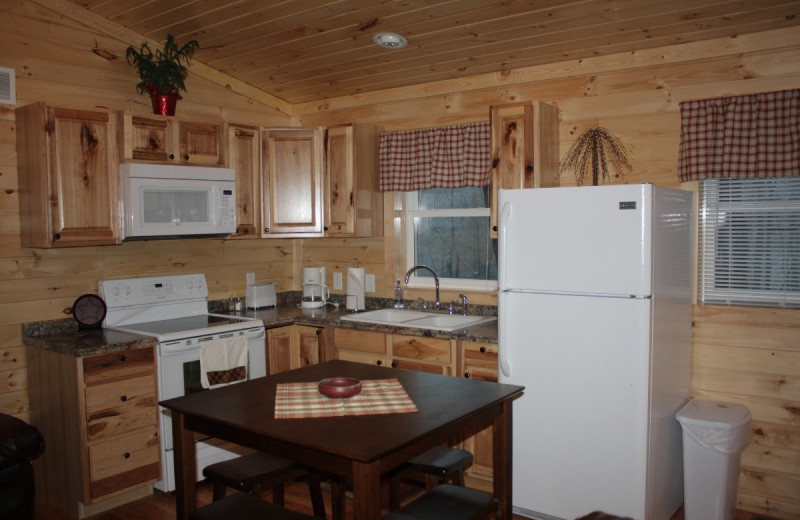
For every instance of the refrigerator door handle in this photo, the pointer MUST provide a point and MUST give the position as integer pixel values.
(505, 214)
(502, 352)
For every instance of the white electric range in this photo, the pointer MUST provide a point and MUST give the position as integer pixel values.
(174, 310)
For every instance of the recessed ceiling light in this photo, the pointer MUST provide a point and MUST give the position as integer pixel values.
(390, 40)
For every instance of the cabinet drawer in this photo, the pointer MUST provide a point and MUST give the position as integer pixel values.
(122, 406)
(124, 462)
(480, 360)
(114, 366)
(363, 341)
(419, 347)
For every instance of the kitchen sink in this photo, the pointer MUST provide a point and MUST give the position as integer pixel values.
(418, 319)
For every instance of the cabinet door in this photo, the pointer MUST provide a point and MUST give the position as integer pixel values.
(353, 201)
(145, 138)
(68, 176)
(524, 147)
(279, 350)
(121, 406)
(308, 345)
(243, 158)
(200, 143)
(291, 163)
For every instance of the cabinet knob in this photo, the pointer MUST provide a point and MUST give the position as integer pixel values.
(57, 236)
(266, 230)
(123, 398)
(126, 455)
(171, 156)
(185, 157)
(494, 228)
(325, 228)
(122, 357)
(467, 375)
(379, 363)
(483, 350)
(394, 364)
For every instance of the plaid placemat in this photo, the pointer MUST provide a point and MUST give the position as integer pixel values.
(378, 396)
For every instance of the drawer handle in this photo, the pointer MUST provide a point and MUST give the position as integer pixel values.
(123, 398)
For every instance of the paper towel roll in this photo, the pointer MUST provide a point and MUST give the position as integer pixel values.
(356, 282)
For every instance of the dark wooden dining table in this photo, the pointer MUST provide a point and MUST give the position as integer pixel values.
(358, 448)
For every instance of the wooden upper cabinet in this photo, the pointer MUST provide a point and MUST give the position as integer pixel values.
(243, 158)
(171, 141)
(291, 169)
(524, 145)
(353, 202)
(68, 176)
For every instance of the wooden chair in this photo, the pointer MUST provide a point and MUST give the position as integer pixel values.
(450, 502)
(256, 472)
(244, 506)
(436, 466)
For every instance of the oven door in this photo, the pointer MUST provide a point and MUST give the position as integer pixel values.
(179, 374)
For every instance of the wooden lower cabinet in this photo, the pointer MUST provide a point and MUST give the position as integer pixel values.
(436, 355)
(293, 346)
(99, 419)
(479, 361)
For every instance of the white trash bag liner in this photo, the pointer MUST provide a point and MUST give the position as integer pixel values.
(721, 427)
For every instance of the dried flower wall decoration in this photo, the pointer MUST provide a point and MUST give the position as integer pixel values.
(596, 147)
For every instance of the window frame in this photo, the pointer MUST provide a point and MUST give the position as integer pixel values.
(711, 212)
(409, 214)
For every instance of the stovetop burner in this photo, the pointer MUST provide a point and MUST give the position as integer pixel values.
(186, 325)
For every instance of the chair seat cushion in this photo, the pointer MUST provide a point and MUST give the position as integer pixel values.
(447, 501)
(247, 471)
(442, 461)
(243, 506)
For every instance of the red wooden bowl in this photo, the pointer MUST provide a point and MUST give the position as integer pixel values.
(340, 387)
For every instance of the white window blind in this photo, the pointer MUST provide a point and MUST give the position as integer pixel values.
(750, 242)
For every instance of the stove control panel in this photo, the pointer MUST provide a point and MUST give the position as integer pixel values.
(157, 289)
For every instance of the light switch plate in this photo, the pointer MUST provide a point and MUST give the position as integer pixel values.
(370, 283)
(337, 281)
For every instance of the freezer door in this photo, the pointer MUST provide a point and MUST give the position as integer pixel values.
(581, 427)
(586, 240)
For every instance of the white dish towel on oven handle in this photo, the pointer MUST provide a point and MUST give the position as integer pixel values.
(223, 361)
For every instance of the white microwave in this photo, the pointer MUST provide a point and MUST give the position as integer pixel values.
(166, 201)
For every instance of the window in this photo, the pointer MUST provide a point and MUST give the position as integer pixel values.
(750, 242)
(448, 230)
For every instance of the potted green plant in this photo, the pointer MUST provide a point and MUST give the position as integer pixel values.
(162, 72)
(596, 147)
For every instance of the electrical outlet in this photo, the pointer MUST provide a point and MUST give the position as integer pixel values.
(337, 281)
(370, 283)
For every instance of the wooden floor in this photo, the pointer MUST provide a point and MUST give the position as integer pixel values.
(161, 506)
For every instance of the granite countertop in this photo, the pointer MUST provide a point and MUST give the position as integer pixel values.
(65, 337)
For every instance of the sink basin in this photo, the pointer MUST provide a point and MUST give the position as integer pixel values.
(418, 319)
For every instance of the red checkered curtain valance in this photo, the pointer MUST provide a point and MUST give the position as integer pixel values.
(750, 136)
(455, 156)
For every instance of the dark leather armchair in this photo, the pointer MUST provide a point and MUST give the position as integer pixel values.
(20, 443)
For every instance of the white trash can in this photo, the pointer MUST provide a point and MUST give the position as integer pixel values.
(714, 435)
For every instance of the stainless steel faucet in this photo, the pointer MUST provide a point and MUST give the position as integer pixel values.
(436, 304)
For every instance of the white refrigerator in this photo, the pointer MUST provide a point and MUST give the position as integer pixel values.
(594, 317)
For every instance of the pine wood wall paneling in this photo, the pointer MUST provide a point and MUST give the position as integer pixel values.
(752, 357)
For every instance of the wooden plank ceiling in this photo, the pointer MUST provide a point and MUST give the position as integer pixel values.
(308, 50)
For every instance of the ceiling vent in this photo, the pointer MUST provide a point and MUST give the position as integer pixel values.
(8, 93)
